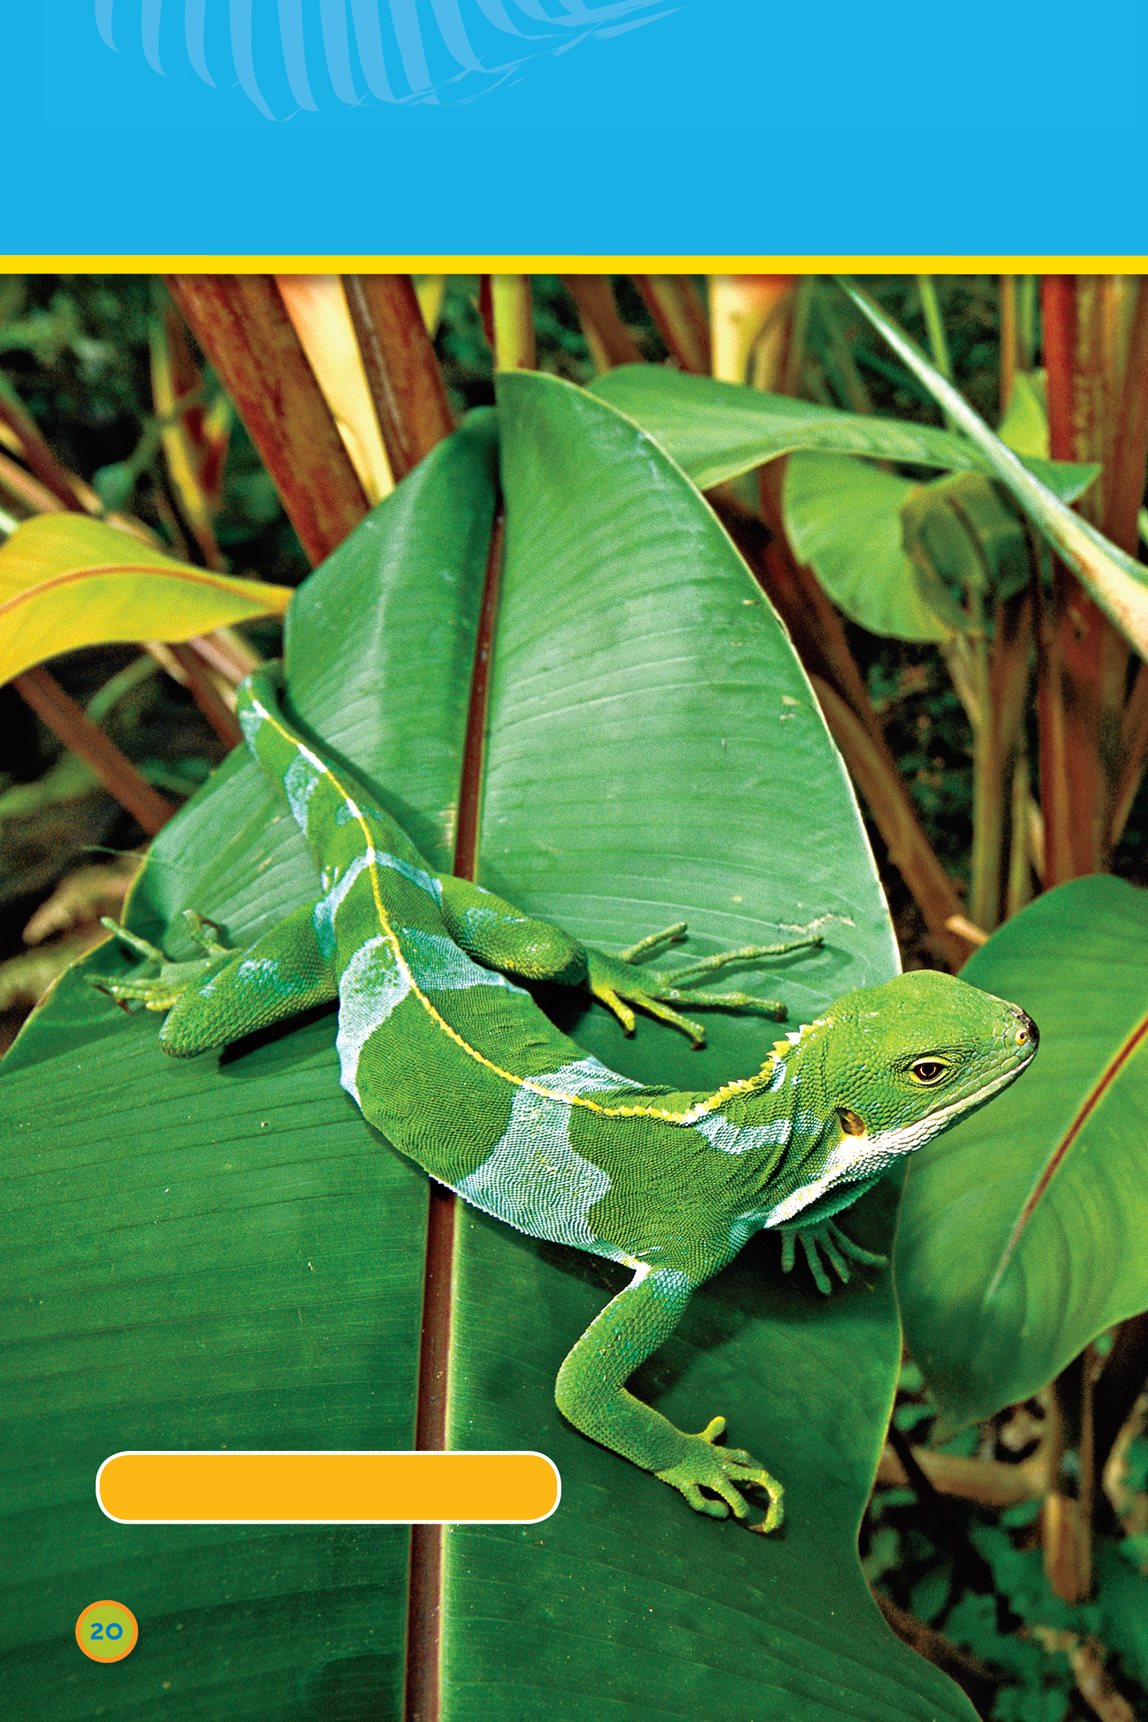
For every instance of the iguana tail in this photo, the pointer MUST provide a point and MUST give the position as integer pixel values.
(335, 811)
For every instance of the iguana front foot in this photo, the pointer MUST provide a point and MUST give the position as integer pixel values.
(622, 988)
(828, 1240)
(725, 1472)
(169, 981)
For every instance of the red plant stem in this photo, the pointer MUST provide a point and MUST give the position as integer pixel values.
(77, 731)
(206, 695)
(1083, 660)
(679, 317)
(25, 490)
(1128, 452)
(608, 338)
(243, 327)
(41, 461)
(402, 371)
(1068, 1506)
(823, 648)
(226, 653)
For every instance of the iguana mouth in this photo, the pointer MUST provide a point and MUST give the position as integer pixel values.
(967, 1102)
(907, 1137)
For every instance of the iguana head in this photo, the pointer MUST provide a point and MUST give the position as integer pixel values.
(898, 1063)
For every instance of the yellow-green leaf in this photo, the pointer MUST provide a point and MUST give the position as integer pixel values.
(67, 581)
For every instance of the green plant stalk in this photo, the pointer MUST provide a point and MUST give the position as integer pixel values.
(1002, 672)
(838, 360)
(988, 799)
(514, 344)
(990, 749)
(1007, 367)
(1018, 331)
(935, 329)
(935, 325)
(797, 347)
(1027, 322)
(959, 660)
(1018, 883)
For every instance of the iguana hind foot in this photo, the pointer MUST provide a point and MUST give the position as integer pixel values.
(623, 988)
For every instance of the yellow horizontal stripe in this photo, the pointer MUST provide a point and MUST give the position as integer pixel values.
(544, 263)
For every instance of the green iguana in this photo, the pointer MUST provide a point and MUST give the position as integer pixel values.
(461, 1070)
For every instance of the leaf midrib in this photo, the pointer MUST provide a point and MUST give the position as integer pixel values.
(423, 1696)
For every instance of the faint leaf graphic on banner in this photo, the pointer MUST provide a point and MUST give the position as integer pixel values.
(292, 56)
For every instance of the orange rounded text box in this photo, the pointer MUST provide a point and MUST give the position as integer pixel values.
(349, 1488)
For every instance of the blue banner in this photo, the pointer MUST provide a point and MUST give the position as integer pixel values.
(626, 127)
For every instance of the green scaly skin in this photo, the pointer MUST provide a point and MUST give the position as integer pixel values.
(458, 1067)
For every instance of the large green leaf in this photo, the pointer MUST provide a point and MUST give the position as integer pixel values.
(1022, 1230)
(891, 553)
(223, 1252)
(844, 518)
(717, 430)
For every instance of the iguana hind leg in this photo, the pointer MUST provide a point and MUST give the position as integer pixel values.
(499, 936)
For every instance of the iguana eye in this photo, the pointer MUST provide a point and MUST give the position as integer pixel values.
(927, 1070)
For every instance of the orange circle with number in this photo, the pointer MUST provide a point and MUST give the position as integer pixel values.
(107, 1631)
